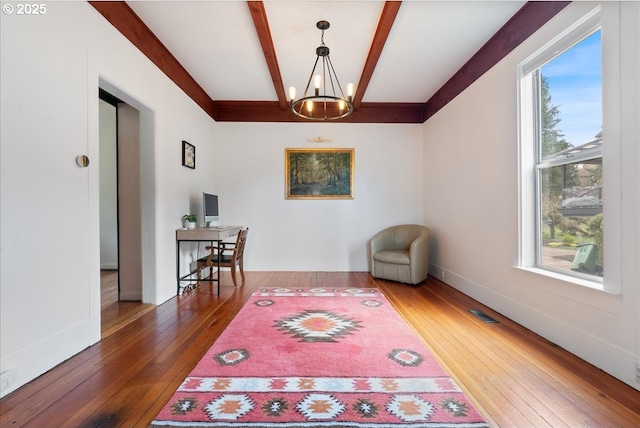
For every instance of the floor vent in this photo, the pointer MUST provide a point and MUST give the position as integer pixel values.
(484, 317)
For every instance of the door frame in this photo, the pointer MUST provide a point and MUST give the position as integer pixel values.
(148, 217)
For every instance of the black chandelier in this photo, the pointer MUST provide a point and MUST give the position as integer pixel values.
(325, 103)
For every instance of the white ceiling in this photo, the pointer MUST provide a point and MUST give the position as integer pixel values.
(217, 43)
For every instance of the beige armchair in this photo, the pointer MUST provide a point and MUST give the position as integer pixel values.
(400, 253)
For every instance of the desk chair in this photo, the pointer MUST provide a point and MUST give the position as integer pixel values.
(235, 258)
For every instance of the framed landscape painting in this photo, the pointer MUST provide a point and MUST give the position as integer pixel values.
(319, 173)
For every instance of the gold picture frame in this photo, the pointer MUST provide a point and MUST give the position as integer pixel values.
(319, 173)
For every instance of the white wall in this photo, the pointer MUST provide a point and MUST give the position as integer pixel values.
(471, 201)
(50, 67)
(310, 235)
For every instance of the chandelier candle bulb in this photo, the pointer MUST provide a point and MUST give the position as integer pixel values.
(292, 94)
(317, 79)
(350, 90)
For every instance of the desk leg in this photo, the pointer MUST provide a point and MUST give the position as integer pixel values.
(219, 255)
(178, 267)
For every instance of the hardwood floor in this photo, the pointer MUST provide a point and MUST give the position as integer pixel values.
(516, 378)
(116, 314)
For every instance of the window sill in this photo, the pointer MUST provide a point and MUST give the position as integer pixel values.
(586, 292)
(567, 279)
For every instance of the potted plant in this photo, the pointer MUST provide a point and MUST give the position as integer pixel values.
(190, 221)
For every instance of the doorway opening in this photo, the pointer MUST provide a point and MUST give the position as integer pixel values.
(122, 179)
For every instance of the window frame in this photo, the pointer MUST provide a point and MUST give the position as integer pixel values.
(529, 150)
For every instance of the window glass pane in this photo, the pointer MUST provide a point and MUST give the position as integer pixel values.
(571, 232)
(570, 228)
(571, 97)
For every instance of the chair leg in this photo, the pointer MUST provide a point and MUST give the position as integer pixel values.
(199, 271)
(233, 275)
(242, 271)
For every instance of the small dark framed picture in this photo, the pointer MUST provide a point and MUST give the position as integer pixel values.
(188, 155)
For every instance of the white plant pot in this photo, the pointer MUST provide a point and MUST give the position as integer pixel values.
(190, 225)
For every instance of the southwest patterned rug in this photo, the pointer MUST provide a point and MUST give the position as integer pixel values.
(318, 358)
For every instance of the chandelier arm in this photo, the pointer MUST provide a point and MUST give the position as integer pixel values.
(324, 83)
(331, 77)
(299, 111)
(337, 81)
(324, 74)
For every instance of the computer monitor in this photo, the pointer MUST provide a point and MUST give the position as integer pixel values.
(210, 207)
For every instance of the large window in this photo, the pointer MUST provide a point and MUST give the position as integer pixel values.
(561, 144)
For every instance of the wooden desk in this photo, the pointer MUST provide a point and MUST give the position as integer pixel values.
(202, 234)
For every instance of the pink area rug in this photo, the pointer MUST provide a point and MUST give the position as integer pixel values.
(318, 358)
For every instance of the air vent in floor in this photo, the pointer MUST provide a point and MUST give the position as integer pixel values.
(484, 317)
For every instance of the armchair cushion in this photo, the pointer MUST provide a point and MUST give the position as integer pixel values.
(400, 253)
(396, 256)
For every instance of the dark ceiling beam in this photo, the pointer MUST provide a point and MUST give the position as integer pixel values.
(387, 113)
(532, 16)
(270, 111)
(387, 18)
(261, 24)
(125, 20)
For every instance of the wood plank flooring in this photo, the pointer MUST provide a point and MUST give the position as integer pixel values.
(116, 314)
(516, 378)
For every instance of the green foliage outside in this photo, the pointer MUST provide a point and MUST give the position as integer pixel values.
(596, 227)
